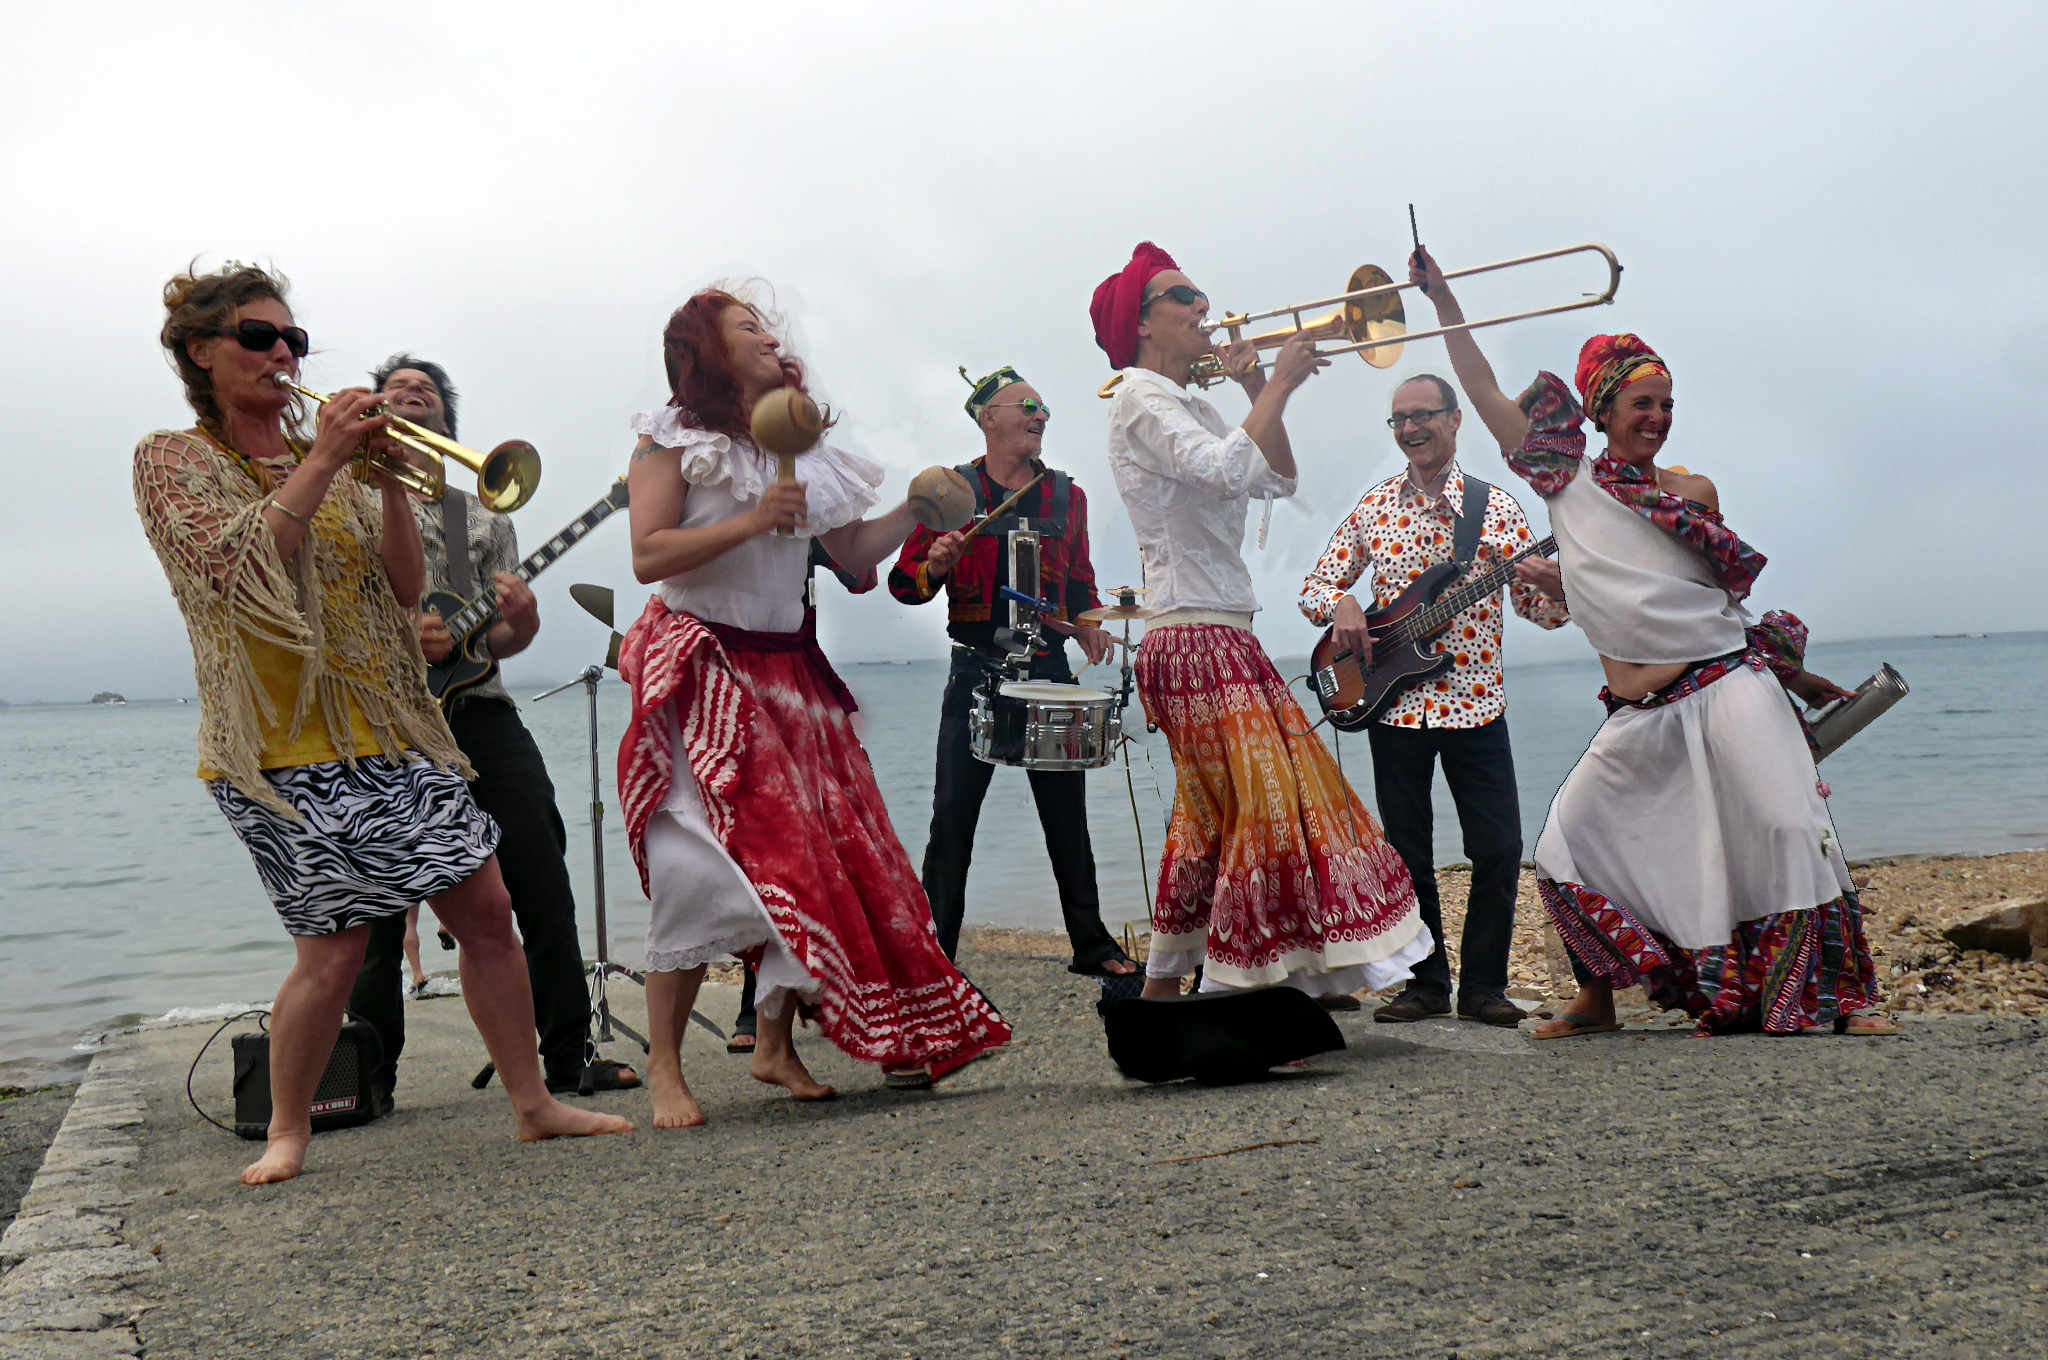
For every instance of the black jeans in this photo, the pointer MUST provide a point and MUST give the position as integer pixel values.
(1479, 766)
(957, 793)
(512, 785)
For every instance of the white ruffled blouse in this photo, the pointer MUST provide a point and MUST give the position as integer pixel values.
(759, 584)
(1188, 478)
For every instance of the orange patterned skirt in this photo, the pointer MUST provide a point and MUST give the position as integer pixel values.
(1274, 871)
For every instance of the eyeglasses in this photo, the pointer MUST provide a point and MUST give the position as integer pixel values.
(1400, 418)
(260, 336)
(1029, 406)
(1180, 292)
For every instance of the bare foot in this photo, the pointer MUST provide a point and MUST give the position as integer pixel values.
(556, 1120)
(674, 1106)
(788, 1072)
(1160, 989)
(1573, 1023)
(281, 1161)
(1868, 1024)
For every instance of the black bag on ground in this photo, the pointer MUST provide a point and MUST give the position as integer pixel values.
(342, 1098)
(1215, 1037)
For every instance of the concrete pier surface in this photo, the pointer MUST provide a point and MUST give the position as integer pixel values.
(1436, 1189)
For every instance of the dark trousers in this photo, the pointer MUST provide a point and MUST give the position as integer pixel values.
(512, 785)
(1480, 768)
(957, 793)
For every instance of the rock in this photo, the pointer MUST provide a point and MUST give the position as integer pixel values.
(2015, 927)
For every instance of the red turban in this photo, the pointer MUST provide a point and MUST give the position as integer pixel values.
(1608, 363)
(1114, 309)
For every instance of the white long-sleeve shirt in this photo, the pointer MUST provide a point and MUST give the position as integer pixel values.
(1187, 479)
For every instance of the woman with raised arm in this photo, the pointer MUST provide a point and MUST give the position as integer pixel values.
(318, 738)
(751, 809)
(1274, 872)
(1689, 850)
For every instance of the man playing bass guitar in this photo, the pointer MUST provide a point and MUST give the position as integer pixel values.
(1399, 529)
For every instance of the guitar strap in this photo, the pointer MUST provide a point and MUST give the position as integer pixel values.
(1471, 519)
(455, 542)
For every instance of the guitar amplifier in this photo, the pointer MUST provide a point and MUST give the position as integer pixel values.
(341, 1100)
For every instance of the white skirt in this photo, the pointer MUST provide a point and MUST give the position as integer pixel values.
(703, 905)
(1371, 977)
(1698, 815)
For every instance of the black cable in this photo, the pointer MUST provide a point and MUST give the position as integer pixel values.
(262, 1017)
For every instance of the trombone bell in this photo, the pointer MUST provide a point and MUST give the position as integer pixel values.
(1376, 320)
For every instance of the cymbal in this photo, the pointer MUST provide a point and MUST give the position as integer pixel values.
(596, 600)
(1117, 613)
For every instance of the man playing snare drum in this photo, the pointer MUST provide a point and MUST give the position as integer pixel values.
(1012, 418)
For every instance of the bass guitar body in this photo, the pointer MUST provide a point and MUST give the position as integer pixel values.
(1353, 694)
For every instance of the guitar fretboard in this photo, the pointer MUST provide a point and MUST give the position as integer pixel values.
(1424, 623)
(484, 607)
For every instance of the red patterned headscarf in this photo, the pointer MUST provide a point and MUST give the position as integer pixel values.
(1114, 309)
(1609, 363)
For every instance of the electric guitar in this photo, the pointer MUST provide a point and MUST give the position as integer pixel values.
(468, 665)
(1351, 694)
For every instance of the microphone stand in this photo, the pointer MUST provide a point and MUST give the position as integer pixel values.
(602, 968)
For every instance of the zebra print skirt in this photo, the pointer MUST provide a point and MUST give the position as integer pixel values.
(378, 837)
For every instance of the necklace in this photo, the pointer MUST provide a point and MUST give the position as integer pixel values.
(257, 473)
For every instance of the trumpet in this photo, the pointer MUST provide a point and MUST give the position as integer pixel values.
(1370, 317)
(506, 477)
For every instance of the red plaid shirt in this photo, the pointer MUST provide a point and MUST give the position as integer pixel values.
(1065, 575)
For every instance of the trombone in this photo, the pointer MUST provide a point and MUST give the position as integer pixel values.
(1370, 317)
(506, 477)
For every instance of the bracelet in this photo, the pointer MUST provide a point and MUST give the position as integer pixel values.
(290, 513)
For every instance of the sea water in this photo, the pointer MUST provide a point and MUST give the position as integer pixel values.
(124, 897)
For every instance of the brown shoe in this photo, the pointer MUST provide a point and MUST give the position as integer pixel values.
(1412, 1005)
(1492, 1010)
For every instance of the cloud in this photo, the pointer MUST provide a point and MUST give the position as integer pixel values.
(1824, 214)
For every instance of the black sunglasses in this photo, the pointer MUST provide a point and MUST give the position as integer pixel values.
(260, 336)
(1185, 295)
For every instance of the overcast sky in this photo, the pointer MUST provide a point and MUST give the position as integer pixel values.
(1830, 216)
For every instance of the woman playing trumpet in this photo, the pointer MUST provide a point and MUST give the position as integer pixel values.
(318, 739)
(751, 808)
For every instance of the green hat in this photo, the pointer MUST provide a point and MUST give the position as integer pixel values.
(985, 391)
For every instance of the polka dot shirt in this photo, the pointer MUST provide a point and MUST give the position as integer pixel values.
(1397, 535)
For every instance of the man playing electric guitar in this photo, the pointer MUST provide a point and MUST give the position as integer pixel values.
(511, 782)
(1400, 529)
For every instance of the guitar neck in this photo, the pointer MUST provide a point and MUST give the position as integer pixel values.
(1464, 595)
(481, 610)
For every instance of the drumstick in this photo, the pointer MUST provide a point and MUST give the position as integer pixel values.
(1414, 232)
(997, 512)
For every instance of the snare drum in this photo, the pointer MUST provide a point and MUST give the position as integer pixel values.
(1044, 726)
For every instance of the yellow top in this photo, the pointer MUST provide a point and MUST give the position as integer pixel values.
(297, 661)
(278, 670)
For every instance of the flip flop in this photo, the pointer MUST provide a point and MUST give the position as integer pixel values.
(741, 1042)
(1579, 1025)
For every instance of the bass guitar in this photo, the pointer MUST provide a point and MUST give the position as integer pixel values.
(1352, 694)
(468, 665)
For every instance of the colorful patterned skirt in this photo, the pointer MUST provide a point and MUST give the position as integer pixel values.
(782, 785)
(1690, 852)
(1274, 871)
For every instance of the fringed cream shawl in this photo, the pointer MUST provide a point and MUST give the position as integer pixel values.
(204, 517)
